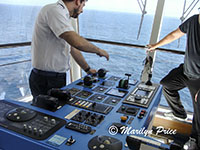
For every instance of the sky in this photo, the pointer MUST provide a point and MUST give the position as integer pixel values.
(172, 7)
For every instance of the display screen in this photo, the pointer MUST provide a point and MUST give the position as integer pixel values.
(142, 92)
(116, 92)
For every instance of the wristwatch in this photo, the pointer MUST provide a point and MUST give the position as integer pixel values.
(87, 69)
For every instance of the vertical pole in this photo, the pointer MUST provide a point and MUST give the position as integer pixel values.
(155, 33)
(75, 71)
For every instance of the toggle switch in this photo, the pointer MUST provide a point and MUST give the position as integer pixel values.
(70, 141)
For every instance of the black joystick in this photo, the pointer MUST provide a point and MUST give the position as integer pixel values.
(63, 95)
(102, 73)
(149, 80)
(88, 80)
(46, 102)
(94, 105)
(70, 141)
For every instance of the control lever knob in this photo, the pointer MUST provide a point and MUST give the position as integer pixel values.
(25, 127)
(94, 104)
(35, 130)
(93, 117)
(53, 121)
(101, 117)
(30, 129)
(88, 114)
(40, 132)
(46, 118)
(70, 141)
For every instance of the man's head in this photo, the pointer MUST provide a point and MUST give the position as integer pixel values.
(77, 8)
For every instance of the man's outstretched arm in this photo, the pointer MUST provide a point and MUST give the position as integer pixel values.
(167, 39)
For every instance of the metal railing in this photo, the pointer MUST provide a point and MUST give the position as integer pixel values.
(13, 45)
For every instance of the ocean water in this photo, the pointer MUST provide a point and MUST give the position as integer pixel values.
(17, 25)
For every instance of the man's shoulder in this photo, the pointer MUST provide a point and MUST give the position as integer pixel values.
(53, 7)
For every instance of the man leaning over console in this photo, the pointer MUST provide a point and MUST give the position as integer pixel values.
(53, 40)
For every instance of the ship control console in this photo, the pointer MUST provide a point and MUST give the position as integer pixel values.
(91, 117)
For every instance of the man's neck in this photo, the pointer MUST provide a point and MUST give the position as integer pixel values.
(69, 6)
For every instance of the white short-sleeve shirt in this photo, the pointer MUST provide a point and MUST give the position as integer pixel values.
(49, 51)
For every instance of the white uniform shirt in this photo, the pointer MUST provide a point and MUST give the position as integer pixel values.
(49, 51)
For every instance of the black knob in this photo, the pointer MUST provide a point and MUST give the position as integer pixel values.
(102, 73)
(88, 114)
(93, 105)
(87, 81)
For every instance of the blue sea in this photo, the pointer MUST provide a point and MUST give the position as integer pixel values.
(17, 26)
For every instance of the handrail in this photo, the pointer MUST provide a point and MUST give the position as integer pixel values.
(11, 45)
(16, 62)
(97, 41)
(135, 45)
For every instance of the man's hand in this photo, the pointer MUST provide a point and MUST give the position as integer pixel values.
(103, 53)
(92, 71)
(151, 47)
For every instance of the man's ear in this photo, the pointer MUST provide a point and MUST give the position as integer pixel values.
(78, 2)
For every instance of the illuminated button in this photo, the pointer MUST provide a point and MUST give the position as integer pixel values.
(18, 117)
(99, 97)
(85, 94)
(23, 112)
(114, 101)
(89, 105)
(123, 108)
(94, 147)
(101, 89)
(101, 146)
(76, 103)
(107, 142)
(85, 104)
(81, 103)
(15, 114)
(123, 118)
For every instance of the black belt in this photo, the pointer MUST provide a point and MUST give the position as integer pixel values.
(48, 73)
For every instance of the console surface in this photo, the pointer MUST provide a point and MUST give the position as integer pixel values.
(91, 113)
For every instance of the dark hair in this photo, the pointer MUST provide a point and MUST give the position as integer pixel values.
(73, 0)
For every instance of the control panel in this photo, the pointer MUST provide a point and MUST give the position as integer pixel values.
(28, 122)
(97, 106)
(142, 95)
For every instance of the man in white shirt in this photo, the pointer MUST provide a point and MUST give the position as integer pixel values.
(54, 39)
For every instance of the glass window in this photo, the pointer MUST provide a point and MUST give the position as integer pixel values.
(119, 20)
(17, 22)
(18, 18)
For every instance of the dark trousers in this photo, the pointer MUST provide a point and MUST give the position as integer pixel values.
(172, 83)
(42, 81)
